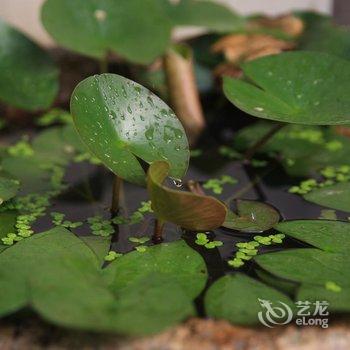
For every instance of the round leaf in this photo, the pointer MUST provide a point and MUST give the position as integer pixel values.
(137, 30)
(186, 209)
(294, 87)
(120, 120)
(29, 78)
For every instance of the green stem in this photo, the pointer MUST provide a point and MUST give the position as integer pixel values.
(262, 142)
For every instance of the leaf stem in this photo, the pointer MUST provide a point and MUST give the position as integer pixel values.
(262, 141)
(158, 231)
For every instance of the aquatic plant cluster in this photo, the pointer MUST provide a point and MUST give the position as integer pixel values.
(88, 272)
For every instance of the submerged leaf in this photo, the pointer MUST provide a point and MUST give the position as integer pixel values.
(252, 217)
(238, 298)
(120, 121)
(334, 196)
(294, 87)
(29, 78)
(188, 210)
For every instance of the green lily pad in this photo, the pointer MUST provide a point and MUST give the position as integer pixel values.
(338, 300)
(186, 209)
(207, 14)
(252, 217)
(335, 196)
(328, 235)
(120, 120)
(311, 266)
(237, 299)
(177, 260)
(58, 276)
(8, 189)
(29, 78)
(294, 87)
(136, 30)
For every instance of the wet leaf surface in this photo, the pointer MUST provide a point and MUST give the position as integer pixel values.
(294, 87)
(335, 196)
(120, 120)
(29, 78)
(236, 299)
(252, 216)
(188, 210)
(331, 236)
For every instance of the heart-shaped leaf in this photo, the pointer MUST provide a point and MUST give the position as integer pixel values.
(29, 78)
(137, 30)
(186, 209)
(252, 217)
(294, 87)
(334, 196)
(331, 236)
(238, 298)
(120, 120)
(8, 189)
